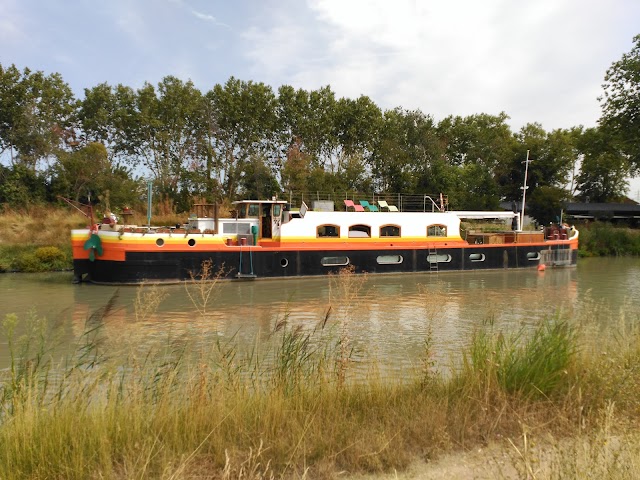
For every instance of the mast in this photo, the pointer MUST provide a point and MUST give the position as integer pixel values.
(524, 190)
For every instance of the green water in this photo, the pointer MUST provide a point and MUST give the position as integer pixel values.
(388, 320)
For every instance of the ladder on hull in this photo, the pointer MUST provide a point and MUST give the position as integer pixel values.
(433, 259)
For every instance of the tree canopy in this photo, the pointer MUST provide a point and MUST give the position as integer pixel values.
(242, 138)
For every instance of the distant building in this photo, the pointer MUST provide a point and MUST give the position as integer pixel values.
(628, 212)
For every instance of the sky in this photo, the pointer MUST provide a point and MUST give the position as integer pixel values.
(538, 61)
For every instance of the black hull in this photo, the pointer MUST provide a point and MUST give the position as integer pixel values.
(179, 266)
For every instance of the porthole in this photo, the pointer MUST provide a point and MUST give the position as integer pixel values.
(438, 258)
(476, 257)
(389, 259)
(284, 262)
(192, 242)
(532, 256)
(159, 242)
(334, 261)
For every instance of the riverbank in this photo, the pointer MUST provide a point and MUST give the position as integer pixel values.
(38, 239)
(559, 396)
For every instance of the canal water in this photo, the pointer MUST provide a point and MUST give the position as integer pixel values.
(384, 317)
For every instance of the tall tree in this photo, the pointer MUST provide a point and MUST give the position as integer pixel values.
(108, 115)
(242, 122)
(35, 114)
(604, 168)
(406, 148)
(621, 104)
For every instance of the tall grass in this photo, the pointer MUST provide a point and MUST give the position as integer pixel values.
(603, 239)
(291, 406)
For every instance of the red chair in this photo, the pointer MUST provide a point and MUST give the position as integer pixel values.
(357, 208)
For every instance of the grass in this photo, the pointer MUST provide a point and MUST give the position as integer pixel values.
(37, 238)
(602, 239)
(294, 405)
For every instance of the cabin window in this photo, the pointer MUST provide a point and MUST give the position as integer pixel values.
(476, 257)
(276, 210)
(236, 227)
(390, 231)
(359, 231)
(438, 258)
(191, 242)
(532, 256)
(437, 231)
(253, 210)
(334, 261)
(159, 242)
(389, 259)
(328, 231)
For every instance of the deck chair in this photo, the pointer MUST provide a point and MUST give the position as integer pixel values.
(357, 208)
(382, 204)
(367, 206)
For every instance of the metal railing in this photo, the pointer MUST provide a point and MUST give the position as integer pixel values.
(405, 202)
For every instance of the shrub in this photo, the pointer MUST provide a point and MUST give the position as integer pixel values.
(43, 259)
(50, 255)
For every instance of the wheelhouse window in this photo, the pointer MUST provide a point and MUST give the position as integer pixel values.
(437, 231)
(328, 231)
(253, 210)
(390, 231)
(359, 231)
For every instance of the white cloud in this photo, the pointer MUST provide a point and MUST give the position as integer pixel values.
(535, 61)
(208, 18)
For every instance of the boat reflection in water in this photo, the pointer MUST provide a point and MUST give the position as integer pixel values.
(386, 317)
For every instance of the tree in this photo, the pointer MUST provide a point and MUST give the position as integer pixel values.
(86, 171)
(479, 139)
(242, 123)
(545, 204)
(109, 115)
(407, 147)
(552, 156)
(621, 104)
(35, 114)
(604, 168)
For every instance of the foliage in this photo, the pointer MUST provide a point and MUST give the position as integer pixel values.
(35, 114)
(604, 169)
(241, 138)
(43, 259)
(21, 186)
(621, 103)
(602, 239)
(546, 203)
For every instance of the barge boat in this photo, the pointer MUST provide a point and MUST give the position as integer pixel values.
(266, 239)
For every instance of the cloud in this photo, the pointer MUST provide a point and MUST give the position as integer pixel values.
(208, 18)
(535, 61)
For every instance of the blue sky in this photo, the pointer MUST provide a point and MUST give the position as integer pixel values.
(539, 61)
